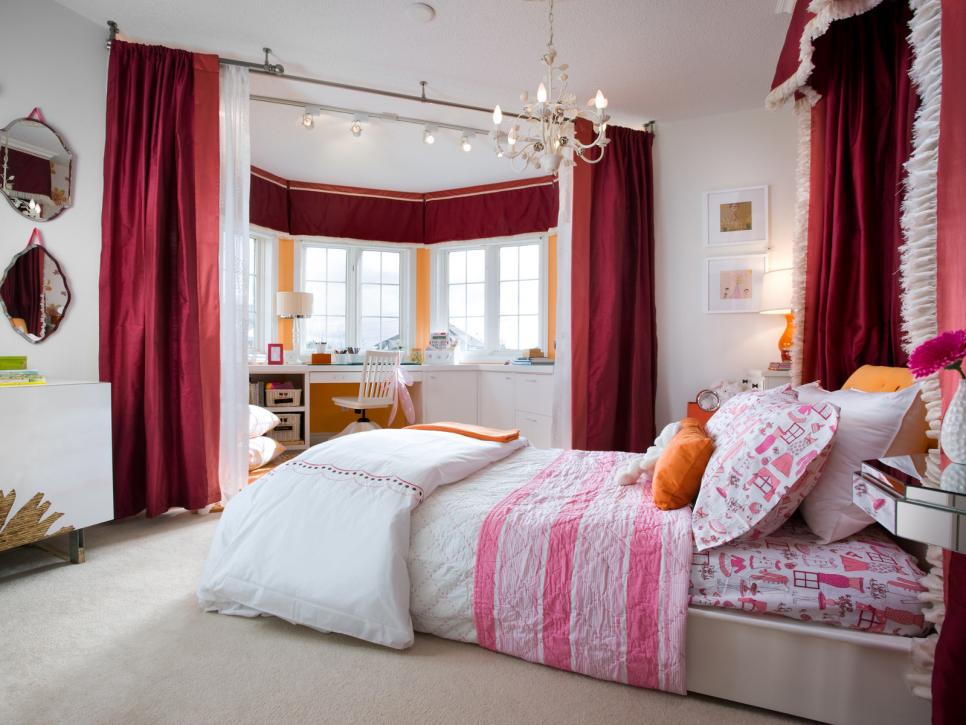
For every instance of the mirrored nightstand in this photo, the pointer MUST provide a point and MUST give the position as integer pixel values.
(917, 497)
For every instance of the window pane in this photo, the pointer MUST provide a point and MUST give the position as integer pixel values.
(476, 265)
(370, 267)
(335, 298)
(529, 298)
(370, 299)
(475, 330)
(508, 333)
(315, 329)
(530, 261)
(529, 331)
(335, 331)
(457, 267)
(508, 262)
(390, 267)
(390, 300)
(457, 326)
(336, 265)
(317, 290)
(476, 299)
(370, 332)
(314, 263)
(390, 329)
(457, 300)
(509, 292)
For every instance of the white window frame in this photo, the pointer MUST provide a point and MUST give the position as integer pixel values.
(354, 249)
(266, 326)
(439, 273)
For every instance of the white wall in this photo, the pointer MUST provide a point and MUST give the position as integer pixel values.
(750, 148)
(56, 60)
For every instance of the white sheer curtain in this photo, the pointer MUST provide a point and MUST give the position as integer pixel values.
(235, 149)
(561, 433)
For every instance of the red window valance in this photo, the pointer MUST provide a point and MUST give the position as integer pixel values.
(476, 212)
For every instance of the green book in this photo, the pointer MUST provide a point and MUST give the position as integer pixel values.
(13, 362)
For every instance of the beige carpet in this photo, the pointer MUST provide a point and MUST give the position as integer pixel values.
(120, 639)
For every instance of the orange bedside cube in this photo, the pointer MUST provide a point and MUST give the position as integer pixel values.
(695, 412)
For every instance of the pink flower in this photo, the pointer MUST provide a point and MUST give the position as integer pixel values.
(946, 350)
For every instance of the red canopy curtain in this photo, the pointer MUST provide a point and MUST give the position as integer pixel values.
(861, 136)
(949, 695)
(612, 309)
(159, 277)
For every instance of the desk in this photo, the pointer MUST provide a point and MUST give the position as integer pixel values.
(461, 393)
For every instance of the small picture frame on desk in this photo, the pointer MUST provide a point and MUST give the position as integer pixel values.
(276, 356)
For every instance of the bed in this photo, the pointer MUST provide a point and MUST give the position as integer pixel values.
(808, 669)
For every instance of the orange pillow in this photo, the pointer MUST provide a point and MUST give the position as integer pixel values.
(677, 476)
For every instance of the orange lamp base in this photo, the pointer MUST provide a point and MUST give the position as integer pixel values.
(785, 342)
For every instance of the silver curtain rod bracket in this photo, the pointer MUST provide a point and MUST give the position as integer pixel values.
(650, 126)
(112, 31)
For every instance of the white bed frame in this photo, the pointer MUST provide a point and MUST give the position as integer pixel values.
(832, 675)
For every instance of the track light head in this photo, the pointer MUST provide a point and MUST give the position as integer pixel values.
(308, 116)
(356, 127)
(465, 142)
(429, 135)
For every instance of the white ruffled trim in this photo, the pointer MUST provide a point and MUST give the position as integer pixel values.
(826, 12)
(917, 273)
(803, 172)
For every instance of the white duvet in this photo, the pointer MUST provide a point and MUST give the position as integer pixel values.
(323, 540)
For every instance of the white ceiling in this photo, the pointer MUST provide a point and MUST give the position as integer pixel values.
(654, 59)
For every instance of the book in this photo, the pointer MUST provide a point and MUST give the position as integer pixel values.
(13, 362)
(779, 366)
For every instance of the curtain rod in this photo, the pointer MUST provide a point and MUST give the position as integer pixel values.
(268, 68)
(368, 114)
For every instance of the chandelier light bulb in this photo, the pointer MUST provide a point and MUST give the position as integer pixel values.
(542, 94)
(465, 143)
(497, 115)
(599, 101)
(428, 136)
(511, 138)
(356, 127)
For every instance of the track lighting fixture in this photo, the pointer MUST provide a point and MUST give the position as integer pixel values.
(465, 142)
(429, 135)
(356, 126)
(308, 117)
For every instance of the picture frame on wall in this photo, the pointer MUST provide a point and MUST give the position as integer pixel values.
(733, 284)
(736, 216)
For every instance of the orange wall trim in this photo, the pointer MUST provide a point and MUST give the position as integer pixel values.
(286, 283)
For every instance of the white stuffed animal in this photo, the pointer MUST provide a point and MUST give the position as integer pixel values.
(630, 472)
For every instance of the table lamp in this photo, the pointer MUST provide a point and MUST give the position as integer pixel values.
(776, 299)
(294, 306)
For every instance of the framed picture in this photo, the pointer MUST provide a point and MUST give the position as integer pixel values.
(733, 284)
(736, 216)
(275, 354)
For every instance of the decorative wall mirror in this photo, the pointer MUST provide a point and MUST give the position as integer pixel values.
(33, 292)
(35, 168)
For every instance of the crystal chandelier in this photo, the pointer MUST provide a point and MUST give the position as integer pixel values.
(539, 136)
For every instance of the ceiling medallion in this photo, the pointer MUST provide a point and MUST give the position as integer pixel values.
(539, 136)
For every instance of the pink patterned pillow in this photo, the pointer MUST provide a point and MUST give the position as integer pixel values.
(769, 452)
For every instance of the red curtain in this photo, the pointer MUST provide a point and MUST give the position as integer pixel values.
(342, 211)
(159, 277)
(475, 212)
(861, 136)
(268, 201)
(949, 695)
(612, 308)
(23, 289)
(493, 210)
(32, 173)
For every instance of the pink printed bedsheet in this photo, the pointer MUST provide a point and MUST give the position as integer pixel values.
(578, 573)
(864, 582)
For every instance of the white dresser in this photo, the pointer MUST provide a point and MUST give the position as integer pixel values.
(55, 462)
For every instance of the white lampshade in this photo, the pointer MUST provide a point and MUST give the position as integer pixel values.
(776, 292)
(293, 304)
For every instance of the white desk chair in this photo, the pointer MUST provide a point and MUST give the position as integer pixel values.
(375, 389)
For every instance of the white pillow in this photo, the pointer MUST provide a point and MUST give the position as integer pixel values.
(260, 421)
(868, 425)
(261, 450)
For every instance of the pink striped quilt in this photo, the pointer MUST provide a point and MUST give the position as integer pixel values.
(576, 572)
